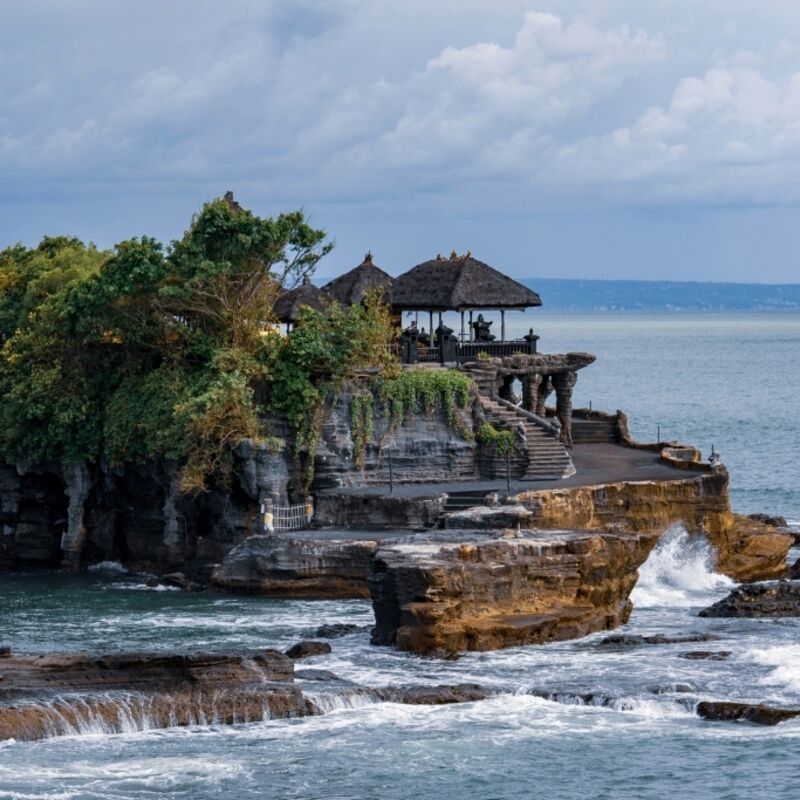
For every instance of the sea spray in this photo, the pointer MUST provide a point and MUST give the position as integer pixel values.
(679, 572)
(785, 660)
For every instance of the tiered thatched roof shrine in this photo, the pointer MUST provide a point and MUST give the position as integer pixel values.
(461, 284)
(351, 288)
(287, 306)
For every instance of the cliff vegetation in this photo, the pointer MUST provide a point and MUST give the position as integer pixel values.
(170, 352)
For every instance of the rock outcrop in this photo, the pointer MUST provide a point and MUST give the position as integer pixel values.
(42, 696)
(746, 549)
(298, 566)
(307, 649)
(484, 592)
(723, 711)
(776, 599)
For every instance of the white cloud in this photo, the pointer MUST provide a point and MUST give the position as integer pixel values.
(363, 97)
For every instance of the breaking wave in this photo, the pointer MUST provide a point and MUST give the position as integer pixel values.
(679, 572)
(785, 660)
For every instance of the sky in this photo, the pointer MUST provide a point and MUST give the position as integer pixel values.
(650, 139)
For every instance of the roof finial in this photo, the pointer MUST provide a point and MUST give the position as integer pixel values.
(469, 254)
(368, 257)
(439, 257)
(453, 255)
(230, 200)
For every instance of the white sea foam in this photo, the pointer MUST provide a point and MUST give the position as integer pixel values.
(679, 572)
(108, 566)
(785, 659)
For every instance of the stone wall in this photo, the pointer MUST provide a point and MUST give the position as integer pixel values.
(422, 449)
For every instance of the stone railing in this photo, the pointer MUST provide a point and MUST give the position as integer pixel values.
(551, 426)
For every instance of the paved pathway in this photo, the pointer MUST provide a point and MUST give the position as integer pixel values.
(595, 463)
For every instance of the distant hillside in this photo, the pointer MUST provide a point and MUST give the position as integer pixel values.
(597, 295)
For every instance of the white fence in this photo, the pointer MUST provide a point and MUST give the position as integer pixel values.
(287, 518)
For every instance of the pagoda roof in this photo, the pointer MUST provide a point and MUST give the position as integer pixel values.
(457, 283)
(287, 306)
(349, 289)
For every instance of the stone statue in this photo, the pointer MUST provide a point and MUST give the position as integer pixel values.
(481, 328)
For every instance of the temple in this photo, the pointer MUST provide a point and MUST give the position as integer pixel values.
(515, 381)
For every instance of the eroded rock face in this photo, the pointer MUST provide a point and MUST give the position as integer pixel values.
(289, 566)
(424, 448)
(778, 599)
(487, 592)
(52, 695)
(746, 549)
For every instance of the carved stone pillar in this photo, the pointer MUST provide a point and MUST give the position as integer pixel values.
(530, 391)
(564, 383)
(545, 390)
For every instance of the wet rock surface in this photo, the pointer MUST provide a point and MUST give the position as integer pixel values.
(307, 649)
(706, 655)
(722, 711)
(776, 599)
(337, 629)
(43, 696)
(434, 695)
(288, 566)
(483, 592)
(631, 640)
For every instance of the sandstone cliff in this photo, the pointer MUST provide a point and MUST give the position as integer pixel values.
(746, 549)
(484, 592)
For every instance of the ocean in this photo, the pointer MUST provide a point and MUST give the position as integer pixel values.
(730, 380)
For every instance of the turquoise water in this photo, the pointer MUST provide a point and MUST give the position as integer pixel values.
(731, 380)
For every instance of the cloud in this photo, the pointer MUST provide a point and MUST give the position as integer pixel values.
(363, 98)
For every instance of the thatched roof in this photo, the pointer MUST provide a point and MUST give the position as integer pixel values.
(459, 282)
(350, 288)
(287, 306)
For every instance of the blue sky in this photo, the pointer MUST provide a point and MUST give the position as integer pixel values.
(570, 138)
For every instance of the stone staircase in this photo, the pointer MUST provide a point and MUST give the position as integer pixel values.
(594, 431)
(462, 500)
(547, 458)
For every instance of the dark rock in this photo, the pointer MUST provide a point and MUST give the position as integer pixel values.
(152, 582)
(747, 712)
(777, 599)
(5, 651)
(794, 570)
(768, 519)
(707, 655)
(316, 675)
(337, 629)
(307, 649)
(433, 695)
(179, 580)
(287, 566)
(575, 698)
(631, 640)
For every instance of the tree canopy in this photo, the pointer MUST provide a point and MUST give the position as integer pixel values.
(149, 351)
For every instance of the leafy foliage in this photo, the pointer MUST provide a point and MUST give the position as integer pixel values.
(150, 352)
(503, 440)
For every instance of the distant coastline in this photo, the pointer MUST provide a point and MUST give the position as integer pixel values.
(664, 296)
